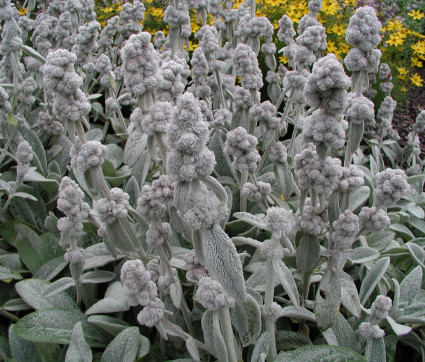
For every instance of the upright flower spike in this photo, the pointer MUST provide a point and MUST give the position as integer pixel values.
(373, 219)
(212, 295)
(286, 31)
(111, 210)
(381, 307)
(345, 230)
(246, 66)
(391, 186)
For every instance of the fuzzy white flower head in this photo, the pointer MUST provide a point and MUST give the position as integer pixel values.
(152, 313)
(137, 284)
(74, 255)
(305, 22)
(345, 230)
(385, 72)
(195, 270)
(352, 177)
(88, 155)
(86, 40)
(322, 128)
(5, 106)
(212, 296)
(356, 60)
(111, 210)
(242, 98)
(391, 186)
(245, 63)
(419, 125)
(48, 125)
(315, 5)
(157, 119)
(279, 220)
(70, 200)
(309, 221)
(276, 311)
(265, 112)
(268, 49)
(373, 219)
(313, 38)
(255, 27)
(256, 193)
(222, 118)
(364, 29)
(381, 307)
(176, 17)
(239, 141)
(368, 330)
(158, 234)
(208, 41)
(24, 152)
(270, 251)
(359, 109)
(140, 63)
(149, 206)
(278, 153)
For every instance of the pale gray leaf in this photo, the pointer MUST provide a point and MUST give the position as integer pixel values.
(114, 301)
(98, 276)
(124, 347)
(261, 348)
(58, 286)
(192, 348)
(250, 219)
(79, 350)
(362, 254)
(375, 350)
(399, 329)
(287, 281)
(298, 312)
(372, 278)
(246, 318)
(411, 285)
(349, 295)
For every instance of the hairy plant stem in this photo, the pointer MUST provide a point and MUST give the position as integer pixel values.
(268, 300)
(243, 199)
(227, 158)
(9, 315)
(226, 326)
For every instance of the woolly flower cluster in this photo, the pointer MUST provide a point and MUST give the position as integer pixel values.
(309, 221)
(391, 186)
(279, 220)
(141, 290)
(313, 38)
(187, 135)
(48, 125)
(87, 155)
(381, 307)
(311, 171)
(359, 109)
(255, 27)
(370, 330)
(373, 219)
(176, 17)
(352, 177)
(286, 30)
(363, 29)
(86, 41)
(278, 153)
(110, 210)
(5, 106)
(170, 86)
(326, 86)
(71, 203)
(154, 200)
(241, 145)
(265, 112)
(24, 152)
(59, 76)
(26, 89)
(211, 295)
(207, 37)
(195, 270)
(245, 63)
(140, 64)
(256, 192)
(357, 60)
(155, 120)
(345, 230)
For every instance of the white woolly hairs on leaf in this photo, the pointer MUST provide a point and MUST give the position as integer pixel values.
(223, 262)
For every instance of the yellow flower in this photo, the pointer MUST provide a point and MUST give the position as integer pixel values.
(102, 23)
(416, 80)
(416, 62)
(350, 2)
(419, 48)
(331, 47)
(155, 12)
(330, 7)
(23, 11)
(108, 10)
(395, 39)
(402, 73)
(394, 25)
(404, 89)
(416, 15)
(283, 59)
(338, 29)
(344, 48)
(195, 26)
(192, 45)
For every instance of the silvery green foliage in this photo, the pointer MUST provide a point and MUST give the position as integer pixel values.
(246, 66)
(138, 287)
(373, 219)
(326, 86)
(87, 155)
(140, 64)
(345, 230)
(391, 186)
(187, 135)
(241, 146)
(310, 221)
(212, 295)
(363, 29)
(419, 125)
(110, 210)
(60, 78)
(359, 109)
(311, 171)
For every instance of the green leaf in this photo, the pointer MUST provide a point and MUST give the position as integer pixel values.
(342, 334)
(372, 278)
(380, 241)
(399, 329)
(97, 255)
(358, 197)
(261, 348)
(307, 253)
(192, 348)
(362, 254)
(375, 350)
(250, 219)
(114, 301)
(320, 353)
(134, 147)
(212, 335)
(7, 274)
(16, 304)
(24, 195)
(32, 290)
(298, 313)
(79, 350)
(12, 119)
(58, 286)
(51, 269)
(327, 300)
(246, 318)
(21, 349)
(290, 340)
(98, 276)
(403, 231)
(284, 275)
(349, 295)
(124, 347)
(4, 349)
(411, 285)
(37, 148)
(110, 324)
(56, 325)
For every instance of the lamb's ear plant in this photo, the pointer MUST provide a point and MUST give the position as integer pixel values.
(160, 203)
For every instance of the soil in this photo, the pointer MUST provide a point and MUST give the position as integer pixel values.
(405, 115)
